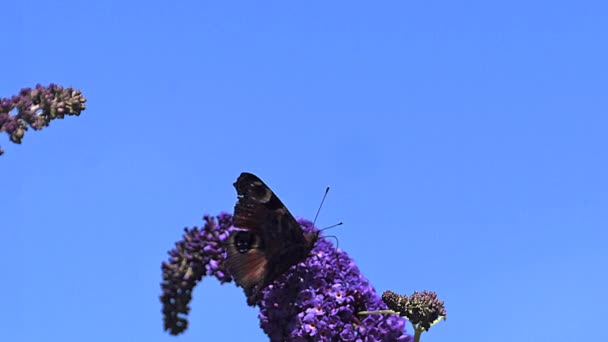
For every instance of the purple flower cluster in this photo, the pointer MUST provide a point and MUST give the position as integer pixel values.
(319, 298)
(36, 108)
(200, 253)
(315, 300)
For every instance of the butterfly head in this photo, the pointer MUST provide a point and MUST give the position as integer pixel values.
(311, 238)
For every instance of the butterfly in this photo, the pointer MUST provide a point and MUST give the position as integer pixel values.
(270, 242)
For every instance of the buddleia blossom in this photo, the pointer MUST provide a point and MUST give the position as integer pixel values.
(200, 253)
(318, 299)
(315, 300)
(36, 108)
(422, 309)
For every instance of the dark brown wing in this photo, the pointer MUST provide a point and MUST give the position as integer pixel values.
(278, 241)
(246, 260)
(257, 204)
(261, 211)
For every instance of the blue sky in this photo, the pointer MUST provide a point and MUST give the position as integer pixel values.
(465, 144)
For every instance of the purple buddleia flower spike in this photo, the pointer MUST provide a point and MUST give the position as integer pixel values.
(199, 254)
(36, 108)
(315, 300)
(318, 300)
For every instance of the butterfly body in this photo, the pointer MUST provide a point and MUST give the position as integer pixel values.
(271, 240)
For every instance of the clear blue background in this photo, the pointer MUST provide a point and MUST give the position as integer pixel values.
(465, 143)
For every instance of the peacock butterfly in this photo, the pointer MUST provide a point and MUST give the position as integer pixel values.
(270, 242)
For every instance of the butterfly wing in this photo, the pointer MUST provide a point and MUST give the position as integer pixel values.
(261, 211)
(276, 241)
(246, 260)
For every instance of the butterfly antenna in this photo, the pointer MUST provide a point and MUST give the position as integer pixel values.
(320, 206)
(332, 226)
(334, 237)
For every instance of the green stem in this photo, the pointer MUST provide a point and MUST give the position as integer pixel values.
(379, 312)
(417, 333)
